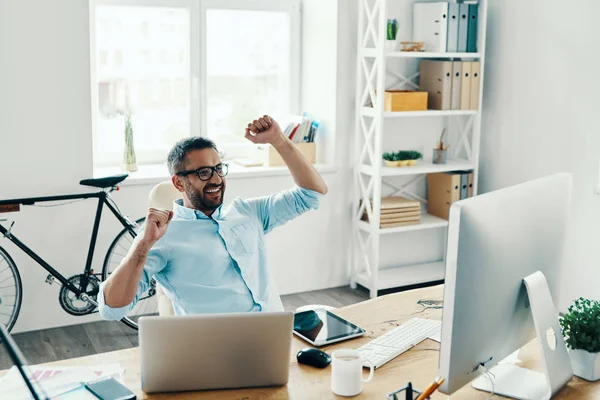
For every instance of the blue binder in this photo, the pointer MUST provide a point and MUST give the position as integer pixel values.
(472, 28)
(452, 40)
(463, 27)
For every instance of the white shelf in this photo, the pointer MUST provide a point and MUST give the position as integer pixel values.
(421, 167)
(371, 52)
(405, 276)
(428, 221)
(370, 112)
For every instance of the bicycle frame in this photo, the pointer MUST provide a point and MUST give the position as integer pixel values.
(102, 197)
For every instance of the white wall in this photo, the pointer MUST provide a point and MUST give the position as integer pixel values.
(541, 116)
(46, 148)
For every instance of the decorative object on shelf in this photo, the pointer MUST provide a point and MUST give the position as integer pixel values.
(581, 330)
(397, 211)
(129, 160)
(390, 34)
(405, 100)
(401, 158)
(413, 46)
(440, 152)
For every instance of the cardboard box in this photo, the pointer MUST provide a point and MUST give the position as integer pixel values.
(405, 100)
(308, 149)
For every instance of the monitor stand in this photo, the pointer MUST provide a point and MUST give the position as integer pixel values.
(519, 383)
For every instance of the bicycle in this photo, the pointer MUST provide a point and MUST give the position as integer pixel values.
(78, 294)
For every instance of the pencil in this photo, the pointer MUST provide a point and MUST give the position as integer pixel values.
(432, 388)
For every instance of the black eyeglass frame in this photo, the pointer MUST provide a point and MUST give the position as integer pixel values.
(213, 169)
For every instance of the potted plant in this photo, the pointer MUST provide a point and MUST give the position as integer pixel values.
(407, 157)
(129, 159)
(412, 156)
(390, 34)
(390, 159)
(581, 330)
(401, 158)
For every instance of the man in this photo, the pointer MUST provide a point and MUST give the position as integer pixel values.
(209, 258)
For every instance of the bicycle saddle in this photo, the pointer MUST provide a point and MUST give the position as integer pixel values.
(105, 182)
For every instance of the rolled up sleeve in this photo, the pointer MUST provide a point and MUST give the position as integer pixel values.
(155, 262)
(279, 208)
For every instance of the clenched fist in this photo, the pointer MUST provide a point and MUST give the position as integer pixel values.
(264, 130)
(157, 222)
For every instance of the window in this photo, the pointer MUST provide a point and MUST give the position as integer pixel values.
(189, 67)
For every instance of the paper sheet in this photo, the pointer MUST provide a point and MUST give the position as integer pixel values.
(55, 380)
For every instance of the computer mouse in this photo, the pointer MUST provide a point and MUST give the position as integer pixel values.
(313, 357)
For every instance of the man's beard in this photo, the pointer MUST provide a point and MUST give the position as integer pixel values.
(199, 199)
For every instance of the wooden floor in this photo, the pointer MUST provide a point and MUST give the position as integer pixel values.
(99, 337)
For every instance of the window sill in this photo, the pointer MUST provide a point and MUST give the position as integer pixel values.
(156, 173)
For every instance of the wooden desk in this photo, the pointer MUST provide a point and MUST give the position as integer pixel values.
(418, 365)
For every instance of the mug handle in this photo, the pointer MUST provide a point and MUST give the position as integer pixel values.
(371, 370)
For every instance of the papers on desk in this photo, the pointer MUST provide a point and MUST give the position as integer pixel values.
(57, 382)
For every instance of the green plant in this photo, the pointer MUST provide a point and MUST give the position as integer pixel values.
(581, 325)
(392, 29)
(402, 155)
(388, 156)
(129, 154)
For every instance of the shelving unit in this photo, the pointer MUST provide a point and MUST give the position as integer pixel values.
(379, 69)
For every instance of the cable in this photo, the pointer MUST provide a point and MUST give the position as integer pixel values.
(54, 205)
(418, 347)
(487, 374)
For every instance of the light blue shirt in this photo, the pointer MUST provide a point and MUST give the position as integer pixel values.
(218, 264)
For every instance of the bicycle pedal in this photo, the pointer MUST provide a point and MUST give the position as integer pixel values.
(50, 279)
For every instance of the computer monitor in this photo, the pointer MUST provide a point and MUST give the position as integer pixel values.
(495, 241)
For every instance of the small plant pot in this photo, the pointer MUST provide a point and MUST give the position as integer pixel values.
(391, 45)
(410, 163)
(403, 163)
(440, 156)
(586, 365)
(389, 163)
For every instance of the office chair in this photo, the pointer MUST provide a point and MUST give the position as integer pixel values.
(162, 196)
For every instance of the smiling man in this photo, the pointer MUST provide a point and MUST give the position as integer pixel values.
(210, 258)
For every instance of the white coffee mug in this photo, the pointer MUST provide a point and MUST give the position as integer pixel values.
(346, 372)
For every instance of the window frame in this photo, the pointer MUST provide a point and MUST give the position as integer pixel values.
(293, 8)
(198, 70)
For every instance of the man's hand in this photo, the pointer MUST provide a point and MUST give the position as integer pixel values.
(264, 130)
(157, 222)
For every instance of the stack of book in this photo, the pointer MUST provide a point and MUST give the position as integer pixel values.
(302, 129)
(398, 211)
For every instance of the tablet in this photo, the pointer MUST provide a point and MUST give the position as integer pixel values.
(319, 327)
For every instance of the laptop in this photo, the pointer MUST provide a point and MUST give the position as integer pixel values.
(215, 351)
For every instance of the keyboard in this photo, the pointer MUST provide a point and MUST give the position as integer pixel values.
(400, 339)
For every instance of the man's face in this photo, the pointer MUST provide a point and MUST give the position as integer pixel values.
(203, 195)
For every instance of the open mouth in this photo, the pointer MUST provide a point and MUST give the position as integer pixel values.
(213, 190)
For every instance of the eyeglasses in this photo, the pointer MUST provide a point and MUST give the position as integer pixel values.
(206, 173)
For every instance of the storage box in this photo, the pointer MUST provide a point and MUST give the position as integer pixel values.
(405, 100)
(273, 159)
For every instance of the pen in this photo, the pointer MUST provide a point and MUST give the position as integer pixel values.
(432, 388)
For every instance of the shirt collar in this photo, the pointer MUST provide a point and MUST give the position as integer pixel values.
(182, 212)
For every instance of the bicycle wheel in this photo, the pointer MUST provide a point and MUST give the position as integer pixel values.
(11, 291)
(147, 304)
